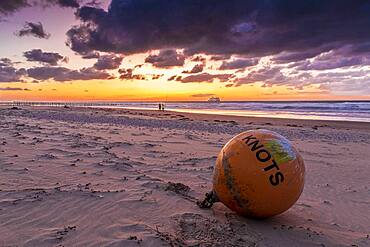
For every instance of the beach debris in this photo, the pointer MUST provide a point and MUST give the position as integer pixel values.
(178, 188)
(208, 201)
(149, 145)
(132, 238)
(258, 174)
(294, 125)
(47, 156)
(60, 234)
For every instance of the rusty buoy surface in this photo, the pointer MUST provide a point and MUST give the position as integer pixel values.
(258, 174)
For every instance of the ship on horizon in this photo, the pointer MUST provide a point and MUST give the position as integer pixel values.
(214, 99)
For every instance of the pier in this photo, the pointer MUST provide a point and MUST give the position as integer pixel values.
(59, 104)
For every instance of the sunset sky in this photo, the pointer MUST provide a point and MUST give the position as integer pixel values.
(184, 50)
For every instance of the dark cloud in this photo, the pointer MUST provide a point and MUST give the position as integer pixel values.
(68, 3)
(5, 62)
(93, 3)
(344, 82)
(220, 57)
(127, 74)
(61, 3)
(33, 29)
(108, 62)
(11, 6)
(175, 78)
(91, 55)
(196, 69)
(156, 77)
(288, 57)
(332, 64)
(253, 27)
(333, 59)
(37, 55)
(273, 76)
(166, 58)
(202, 95)
(267, 75)
(312, 36)
(88, 13)
(64, 74)
(8, 73)
(198, 58)
(238, 63)
(206, 77)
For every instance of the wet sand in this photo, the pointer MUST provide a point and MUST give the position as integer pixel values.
(103, 177)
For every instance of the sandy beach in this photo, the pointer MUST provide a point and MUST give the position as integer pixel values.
(109, 177)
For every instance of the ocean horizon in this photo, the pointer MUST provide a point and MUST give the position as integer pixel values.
(348, 110)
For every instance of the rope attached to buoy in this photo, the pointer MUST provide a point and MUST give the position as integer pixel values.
(208, 201)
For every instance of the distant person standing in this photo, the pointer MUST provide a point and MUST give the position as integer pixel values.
(159, 106)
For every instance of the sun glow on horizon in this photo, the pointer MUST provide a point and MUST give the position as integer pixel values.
(159, 90)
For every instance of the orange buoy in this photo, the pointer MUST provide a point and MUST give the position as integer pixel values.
(258, 174)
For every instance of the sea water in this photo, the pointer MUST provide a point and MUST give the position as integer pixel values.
(320, 110)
